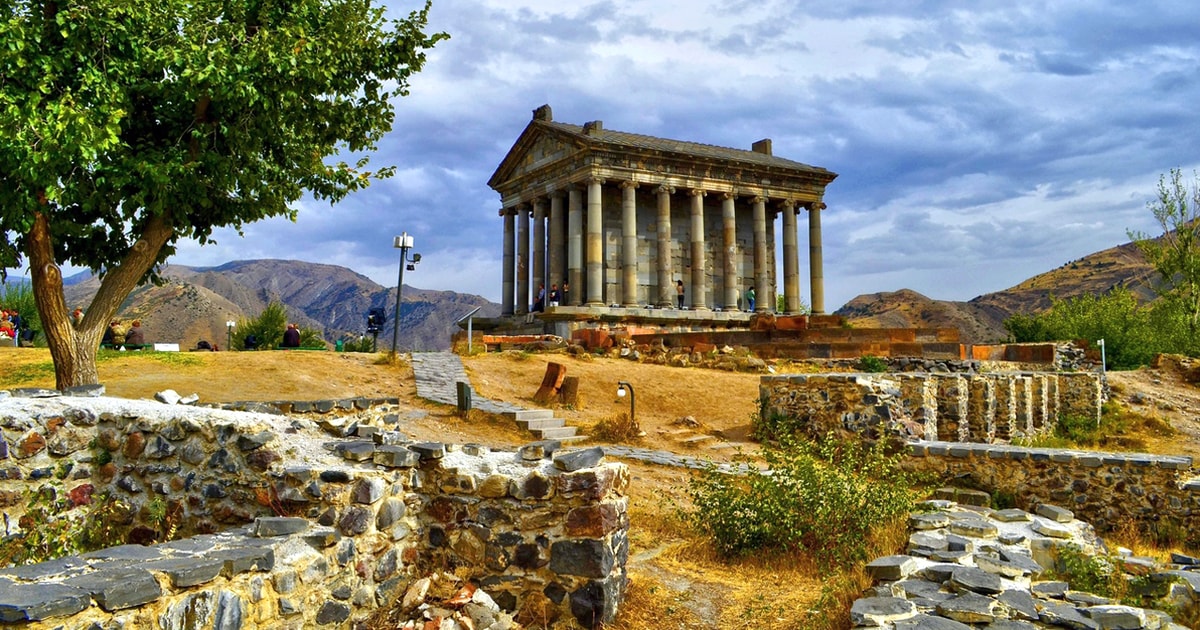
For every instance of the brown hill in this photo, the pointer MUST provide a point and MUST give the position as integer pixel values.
(981, 320)
(194, 303)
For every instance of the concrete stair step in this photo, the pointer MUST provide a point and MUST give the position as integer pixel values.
(541, 423)
(556, 433)
(529, 414)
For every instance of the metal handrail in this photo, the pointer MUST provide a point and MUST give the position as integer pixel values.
(469, 319)
(473, 311)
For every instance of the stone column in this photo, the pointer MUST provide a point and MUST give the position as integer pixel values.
(508, 265)
(629, 255)
(791, 260)
(772, 265)
(699, 290)
(595, 243)
(666, 281)
(733, 284)
(762, 287)
(556, 238)
(816, 269)
(522, 259)
(575, 246)
(539, 247)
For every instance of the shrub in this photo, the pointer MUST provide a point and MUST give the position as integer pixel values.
(617, 428)
(872, 364)
(820, 498)
(267, 328)
(52, 527)
(361, 344)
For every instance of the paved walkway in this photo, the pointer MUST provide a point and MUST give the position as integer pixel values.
(437, 373)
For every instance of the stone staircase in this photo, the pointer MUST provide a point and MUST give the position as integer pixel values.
(543, 425)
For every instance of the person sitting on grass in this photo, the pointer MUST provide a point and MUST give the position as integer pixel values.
(135, 338)
(291, 337)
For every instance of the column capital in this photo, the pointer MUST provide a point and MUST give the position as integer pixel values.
(697, 192)
(816, 205)
(729, 195)
(594, 181)
(786, 205)
(759, 199)
(629, 184)
(664, 189)
(508, 212)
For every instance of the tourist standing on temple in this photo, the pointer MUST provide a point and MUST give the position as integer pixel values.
(679, 292)
(750, 299)
(566, 293)
(555, 294)
(539, 304)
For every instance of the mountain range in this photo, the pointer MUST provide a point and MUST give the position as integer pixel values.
(194, 303)
(981, 320)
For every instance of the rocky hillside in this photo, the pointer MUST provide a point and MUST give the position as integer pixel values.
(195, 302)
(981, 319)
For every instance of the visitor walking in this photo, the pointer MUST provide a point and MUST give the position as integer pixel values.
(679, 292)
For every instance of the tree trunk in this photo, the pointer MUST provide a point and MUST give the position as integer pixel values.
(73, 348)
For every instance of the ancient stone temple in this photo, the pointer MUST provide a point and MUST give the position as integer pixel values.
(620, 218)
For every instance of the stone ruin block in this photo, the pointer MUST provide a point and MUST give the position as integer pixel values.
(952, 408)
(1024, 404)
(981, 409)
(1004, 391)
(919, 394)
(1080, 394)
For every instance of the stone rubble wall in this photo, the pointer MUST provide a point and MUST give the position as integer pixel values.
(967, 566)
(1104, 489)
(533, 528)
(988, 407)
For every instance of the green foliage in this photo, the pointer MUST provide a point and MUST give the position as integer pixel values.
(13, 376)
(1132, 333)
(1096, 574)
(311, 338)
(175, 358)
(131, 125)
(361, 344)
(781, 305)
(1176, 254)
(268, 327)
(872, 364)
(1118, 429)
(820, 498)
(52, 527)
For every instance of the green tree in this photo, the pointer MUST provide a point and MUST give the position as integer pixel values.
(130, 125)
(1132, 332)
(1176, 254)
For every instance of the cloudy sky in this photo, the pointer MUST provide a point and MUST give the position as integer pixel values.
(978, 143)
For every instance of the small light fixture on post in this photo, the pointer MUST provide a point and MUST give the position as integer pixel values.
(622, 387)
(404, 242)
(229, 334)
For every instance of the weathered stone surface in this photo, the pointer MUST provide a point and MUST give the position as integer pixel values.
(1011, 515)
(1055, 513)
(332, 612)
(578, 460)
(354, 520)
(368, 490)
(186, 572)
(891, 567)
(969, 608)
(395, 456)
(924, 543)
(390, 511)
(32, 602)
(593, 521)
(244, 559)
(494, 486)
(535, 485)
(1052, 530)
(929, 622)
(974, 528)
(247, 443)
(1019, 604)
(595, 604)
(167, 396)
(585, 558)
(1117, 617)
(975, 580)
(429, 450)
(356, 451)
(267, 526)
(117, 589)
(881, 611)
(1066, 616)
(928, 520)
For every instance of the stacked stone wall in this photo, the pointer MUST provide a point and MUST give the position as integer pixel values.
(1104, 489)
(377, 509)
(991, 407)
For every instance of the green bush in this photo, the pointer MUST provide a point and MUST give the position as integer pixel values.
(52, 527)
(1132, 333)
(820, 498)
(268, 327)
(872, 364)
(361, 344)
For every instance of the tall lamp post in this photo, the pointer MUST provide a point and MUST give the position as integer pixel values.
(622, 387)
(229, 334)
(404, 242)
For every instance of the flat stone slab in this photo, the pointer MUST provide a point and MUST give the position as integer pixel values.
(880, 611)
(975, 528)
(32, 602)
(119, 588)
(891, 567)
(578, 460)
(265, 527)
(969, 608)
(1011, 515)
(976, 580)
(1055, 513)
(929, 622)
(1051, 530)
(186, 572)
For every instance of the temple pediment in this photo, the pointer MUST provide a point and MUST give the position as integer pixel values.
(537, 149)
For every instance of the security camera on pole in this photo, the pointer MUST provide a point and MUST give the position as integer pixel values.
(404, 242)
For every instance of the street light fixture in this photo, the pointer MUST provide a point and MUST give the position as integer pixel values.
(622, 387)
(229, 334)
(404, 242)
